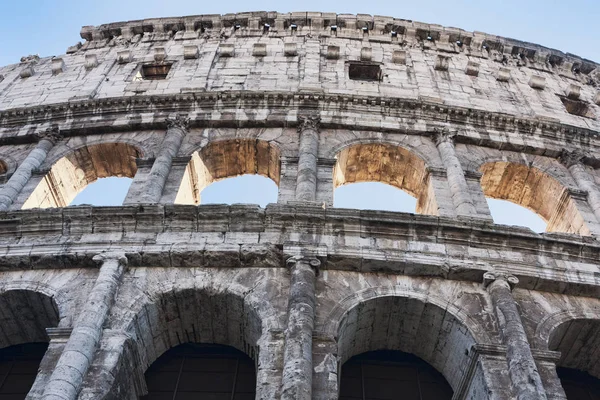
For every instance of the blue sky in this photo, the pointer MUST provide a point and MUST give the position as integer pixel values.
(47, 28)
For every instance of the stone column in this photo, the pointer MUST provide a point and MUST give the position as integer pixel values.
(10, 191)
(573, 160)
(306, 183)
(176, 131)
(297, 356)
(459, 189)
(66, 380)
(525, 379)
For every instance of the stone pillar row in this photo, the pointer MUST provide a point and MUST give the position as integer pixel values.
(33, 161)
(522, 370)
(297, 356)
(459, 189)
(306, 183)
(155, 184)
(573, 160)
(74, 362)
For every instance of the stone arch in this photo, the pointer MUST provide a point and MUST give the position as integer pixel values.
(225, 159)
(3, 167)
(25, 315)
(387, 163)
(578, 341)
(385, 318)
(152, 322)
(535, 190)
(80, 167)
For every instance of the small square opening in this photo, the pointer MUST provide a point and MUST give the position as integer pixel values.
(364, 72)
(153, 72)
(577, 107)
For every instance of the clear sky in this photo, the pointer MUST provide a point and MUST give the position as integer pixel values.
(48, 27)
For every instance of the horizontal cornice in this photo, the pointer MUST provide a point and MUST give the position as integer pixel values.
(246, 235)
(220, 109)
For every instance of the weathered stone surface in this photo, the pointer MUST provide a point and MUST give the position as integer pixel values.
(453, 119)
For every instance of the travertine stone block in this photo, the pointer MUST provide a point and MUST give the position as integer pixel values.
(442, 63)
(190, 52)
(333, 52)
(503, 74)
(259, 50)
(58, 66)
(573, 91)
(290, 49)
(226, 50)
(27, 72)
(399, 57)
(160, 54)
(366, 54)
(537, 82)
(472, 68)
(124, 56)
(91, 61)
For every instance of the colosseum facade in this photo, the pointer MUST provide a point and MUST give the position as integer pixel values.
(165, 298)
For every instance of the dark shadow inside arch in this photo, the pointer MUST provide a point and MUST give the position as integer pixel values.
(408, 325)
(201, 371)
(18, 369)
(578, 342)
(579, 385)
(84, 166)
(390, 375)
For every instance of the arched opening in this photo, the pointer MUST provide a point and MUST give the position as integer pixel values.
(535, 190)
(579, 385)
(24, 318)
(578, 342)
(72, 173)
(508, 213)
(250, 189)
(408, 325)
(180, 317)
(18, 369)
(387, 164)
(104, 192)
(374, 196)
(385, 374)
(226, 159)
(201, 371)
(3, 168)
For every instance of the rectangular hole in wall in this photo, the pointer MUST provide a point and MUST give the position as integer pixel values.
(577, 107)
(152, 72)
(364, 71)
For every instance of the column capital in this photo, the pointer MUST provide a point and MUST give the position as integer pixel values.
(110, 255)
(52, 134)
(313, 262)
(491, 277)
(181, 121)
(570, 158)
(444, 135)
(309, 121)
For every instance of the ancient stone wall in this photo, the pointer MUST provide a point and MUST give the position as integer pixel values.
(312, 101)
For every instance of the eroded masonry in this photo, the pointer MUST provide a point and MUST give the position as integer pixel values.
(166, 298)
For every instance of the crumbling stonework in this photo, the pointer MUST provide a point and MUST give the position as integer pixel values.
(312, 101)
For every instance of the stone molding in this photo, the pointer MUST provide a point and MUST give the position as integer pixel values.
(313, 262)
(570, 158)
(51, 134)
(180, 121)
(75, 110)
(491, 277)
(306, 122)
(444, 135)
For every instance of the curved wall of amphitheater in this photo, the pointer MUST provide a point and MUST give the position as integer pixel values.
(312, 101)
